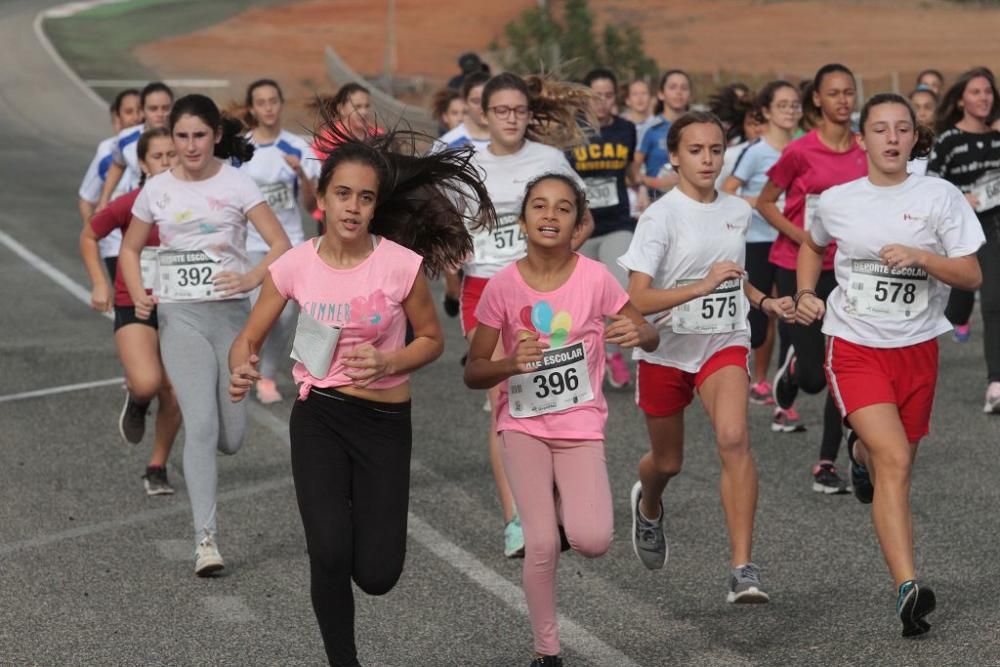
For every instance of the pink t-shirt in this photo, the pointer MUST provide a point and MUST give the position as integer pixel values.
(365, 301)
(807, 167)
(570, 315)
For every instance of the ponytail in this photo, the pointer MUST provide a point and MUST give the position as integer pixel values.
(234, 144)
(561, 113)
(925, 142)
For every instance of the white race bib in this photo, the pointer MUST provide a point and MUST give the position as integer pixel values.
(278, 195)
(987, 191)
(187, 275)
(601, 192)
(877, 290)
(561, 382)
(722, 311)
(314, 344)
(147, 265)
(501, 246)
(812, 204)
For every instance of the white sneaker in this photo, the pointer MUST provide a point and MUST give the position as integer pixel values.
(992, 405)
(207, 559)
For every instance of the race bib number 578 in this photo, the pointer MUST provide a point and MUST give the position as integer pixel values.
(878, 290)
(561, 382)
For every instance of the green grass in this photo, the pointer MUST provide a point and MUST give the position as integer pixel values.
(98, 43)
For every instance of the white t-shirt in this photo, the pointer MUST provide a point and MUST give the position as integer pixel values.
(456, 137)
(678, 239)
(280, 184)
(873, 305)
(917, 166)
(93, 183)
(207, 216)
(506, 177)
(729, 160)
(125, 152)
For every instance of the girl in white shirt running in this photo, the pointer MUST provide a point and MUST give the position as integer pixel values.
(686, 271)
(902, 241)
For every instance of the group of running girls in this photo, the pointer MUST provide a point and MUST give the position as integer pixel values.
(827, 242)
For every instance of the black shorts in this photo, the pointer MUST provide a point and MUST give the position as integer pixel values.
(126, 315)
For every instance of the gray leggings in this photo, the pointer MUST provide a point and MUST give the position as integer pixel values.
(276, 347)
(194, 342)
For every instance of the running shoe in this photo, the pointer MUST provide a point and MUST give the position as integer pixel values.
(156, 482)
(861, 481)
(132, 421)
(547, 661)
(618, 373)
(207, 560)
(787, 421)
(992, 405)
(744, 585)
(827, 480)
(913, 603)
(962, 332)
(761, 393)
(648, 539)
(486, 406)
(267, 391)
(452, 306)
(513, 539)
(785, 389)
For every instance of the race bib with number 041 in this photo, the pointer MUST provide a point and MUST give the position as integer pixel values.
(561, 382)
(722, 311)
(987, 191)
(278, 196)
(502, 245)
(809, 216)
(601, 192)
(187, 275)
(878, 290)
(148, 265)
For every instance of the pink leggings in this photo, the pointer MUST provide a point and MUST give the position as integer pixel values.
(538, 470)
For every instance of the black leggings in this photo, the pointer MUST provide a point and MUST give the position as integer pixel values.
(351, 465)
(961, 302)
(810, 349)
(761, 273)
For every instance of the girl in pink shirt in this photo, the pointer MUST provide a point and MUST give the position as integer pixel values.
(389, 218)
(548, 311)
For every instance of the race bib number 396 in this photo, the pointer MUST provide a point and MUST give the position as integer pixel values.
(722, 311)
(187, 275)
(876, 290)
(561, 382)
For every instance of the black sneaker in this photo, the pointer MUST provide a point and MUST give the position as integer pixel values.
(827, 480)
(452, 306)
(132, 421)
(915, 601)
(156, 482)
(547, 661)
(785, 389)
(861, 481)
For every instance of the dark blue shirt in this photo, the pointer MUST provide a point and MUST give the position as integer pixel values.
(602, 164)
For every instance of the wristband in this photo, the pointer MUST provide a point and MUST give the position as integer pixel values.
(801, 293)
(760, 304)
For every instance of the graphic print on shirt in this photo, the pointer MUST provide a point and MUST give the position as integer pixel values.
(561, 380)
(369, 315)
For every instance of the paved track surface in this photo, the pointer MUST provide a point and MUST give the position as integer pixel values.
(92, 572)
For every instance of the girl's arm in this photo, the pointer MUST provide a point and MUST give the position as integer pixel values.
(308, 193)
(649, 299)
(768, 208)
(245, 350)
(630, 329)
(733, 184)
(100, 290)
(128, 263)
(111, 181)
(808, 306)
(368, 364)
(962, 272)
(482, 372)
(584, 230)
(262, 217)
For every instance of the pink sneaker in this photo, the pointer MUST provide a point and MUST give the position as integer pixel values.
(761, 393)
(962, 333)
(787, 421)
(267, 391)
(618, 373)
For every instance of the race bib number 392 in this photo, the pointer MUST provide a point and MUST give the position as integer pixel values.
(877, 290)
(722, 311)
(187, 275)
(561, 382)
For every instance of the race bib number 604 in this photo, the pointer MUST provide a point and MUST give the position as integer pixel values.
(561, 382)
(877, 290)
(722, 311)
(187, 275)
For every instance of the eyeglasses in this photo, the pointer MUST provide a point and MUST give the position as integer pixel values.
(503, 112)
(789, 106)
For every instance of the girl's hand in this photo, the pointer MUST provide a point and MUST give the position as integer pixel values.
(367, 365)
(231, 283)
(242, 378)
(718, 274)
(528, 353)
(622, 332)
(100, 298)
(809, 309)
(783, 308)
(293, 162)
(973, 200)
(144, 307)
(898, 256)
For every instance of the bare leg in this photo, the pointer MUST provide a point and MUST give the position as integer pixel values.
(662, 462)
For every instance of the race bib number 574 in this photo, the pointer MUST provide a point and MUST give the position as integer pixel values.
(502, 245)
(561, 382)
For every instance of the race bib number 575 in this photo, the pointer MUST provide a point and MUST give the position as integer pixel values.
(722, 311)
(561, 382)
(187, 275)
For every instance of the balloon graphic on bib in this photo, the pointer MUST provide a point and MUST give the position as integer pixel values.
(541, 317)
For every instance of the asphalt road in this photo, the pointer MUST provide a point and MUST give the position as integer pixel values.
(92, 572)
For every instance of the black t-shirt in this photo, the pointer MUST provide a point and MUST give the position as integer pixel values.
(965, 159)
(602, 164)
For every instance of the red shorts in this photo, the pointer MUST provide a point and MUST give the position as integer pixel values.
(859, 376)
(472, 291)
(663, 391)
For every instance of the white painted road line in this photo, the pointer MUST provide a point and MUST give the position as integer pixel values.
(61, 390)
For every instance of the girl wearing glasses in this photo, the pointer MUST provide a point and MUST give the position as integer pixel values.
(526, 119)
(779, 107)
